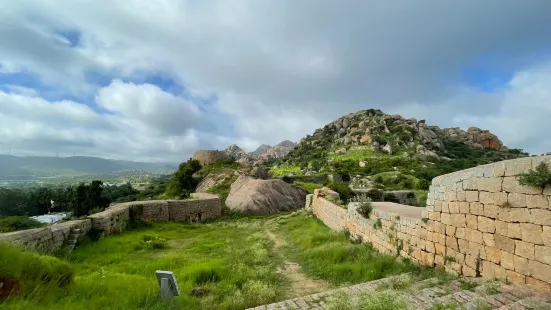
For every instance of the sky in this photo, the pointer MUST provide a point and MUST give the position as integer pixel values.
(157, 80)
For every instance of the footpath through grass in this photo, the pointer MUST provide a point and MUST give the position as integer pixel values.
(228, 264)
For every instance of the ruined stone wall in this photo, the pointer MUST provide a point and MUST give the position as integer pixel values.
(478, 222)
(115, 219)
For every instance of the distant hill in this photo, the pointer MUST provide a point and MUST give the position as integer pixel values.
(13, 167)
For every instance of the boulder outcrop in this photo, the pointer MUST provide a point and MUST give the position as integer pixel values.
(254, 196)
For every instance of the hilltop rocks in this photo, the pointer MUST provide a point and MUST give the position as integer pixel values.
(207, 157)
(235, 152)
(260, 151)
(254, 196)
(281, 149)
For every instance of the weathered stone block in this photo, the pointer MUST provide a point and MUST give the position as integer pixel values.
(540, 217)
(501, 228)
(463, 207)
(439, 228)
(438, 206)
(471, 196)
(451, 242)
(543, 254)
(514, 230)
(429, 246)
(537, 201)
(446, 218)
(489, 184)
(440, 249)
(517, 166)
(540, 271)
(472, 221)
(458, 220)
(507, 260)
(516, 200)
(521, 265)
(504, 243)
(488, 239)
(454, 207)
(499, 198)
(450, 230)
(491, 270)
(493, 254)
(531, 233)
(515, 278)
(476, 249)
(486, 225)
(450, 196)
(490, 210)
(524, 249)
(473, 235)
(459, 233)
(468, 271)
(510, 185)
(461, 196)
(538, 283)
(546, 235)
(445, 207)
(516, 215)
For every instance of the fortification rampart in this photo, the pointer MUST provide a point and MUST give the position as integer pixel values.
(115, 219)
(478, 222)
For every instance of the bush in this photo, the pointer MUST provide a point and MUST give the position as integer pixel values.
(154, 242)
(390, 197)
(342, 188)
(536, 178)
(365, 207)
(15, 223)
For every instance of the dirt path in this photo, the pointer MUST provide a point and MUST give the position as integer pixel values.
(301, 284)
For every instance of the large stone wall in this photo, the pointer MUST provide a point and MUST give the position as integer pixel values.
(478, 222)
(200, 207)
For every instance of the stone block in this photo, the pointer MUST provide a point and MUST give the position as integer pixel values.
(517, 166)
(493, 254)
(446, 218)
(439, 260)
(459, 233)
(538, 284)
(471, 261)
(451, 242)
(486, 225)
(454, 207)
(488, 239)
(515, 278)
(450, 196)
(473, 235)
(504, 243)
(438, 206)
(468, 271)
(489, 184)
(516, 215)
(445, 207)
(458, 220)
(440, 249)
(429, 246)
(510, 185)
(450, 230)
(507, 260)
(540, 271)
(541, 217)
(490, 210)
(524, 249)
(514, 230)
(471, 196)
(461, 196)
(521, 265)
(499, 198)
(531, 233)
(517, 200)
(463, 207)
(472, 221)
(440, 228)
(434, 216)
(491, 270)
(442, 239)
(546, 235)
(476, 208)
(537, 202)
(543, 254)
(476, 249)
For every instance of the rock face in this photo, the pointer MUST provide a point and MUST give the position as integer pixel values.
(261, 150)
(207, 157)
(235, 152)
(281, 149)
(254, 196)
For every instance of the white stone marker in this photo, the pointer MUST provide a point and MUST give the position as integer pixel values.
(168, 284)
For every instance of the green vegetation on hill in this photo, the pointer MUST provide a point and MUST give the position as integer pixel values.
(14, 223)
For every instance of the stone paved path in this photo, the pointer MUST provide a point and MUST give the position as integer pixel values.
(428, 293)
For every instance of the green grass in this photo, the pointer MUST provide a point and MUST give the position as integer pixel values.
(308, 186)
(284, 170)
(14, 223)
(356, 155)
(229, 262)
(331, 256)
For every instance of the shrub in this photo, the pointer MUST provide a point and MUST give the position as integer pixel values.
(365, 207)
(378, 224)
(342, 188)
(14, 223)
(537, 178)
(154, 242)
(390, 197)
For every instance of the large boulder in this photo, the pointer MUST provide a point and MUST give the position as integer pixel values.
(254, 196)
(207, 157)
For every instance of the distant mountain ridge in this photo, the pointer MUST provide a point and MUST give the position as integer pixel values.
(263, 152)
(39, 166)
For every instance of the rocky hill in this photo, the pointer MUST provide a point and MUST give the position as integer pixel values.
(281, 149)
(235, 152)
(262, 153)
(259, 152)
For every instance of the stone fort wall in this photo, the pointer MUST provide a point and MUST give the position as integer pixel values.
(478, 222)
(115, 219)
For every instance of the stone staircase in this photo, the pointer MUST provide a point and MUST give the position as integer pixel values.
(73, 238)
(475, 294)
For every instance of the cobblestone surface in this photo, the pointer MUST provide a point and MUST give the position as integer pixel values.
(428, 293)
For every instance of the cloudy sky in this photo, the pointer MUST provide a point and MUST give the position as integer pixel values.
(157, 80)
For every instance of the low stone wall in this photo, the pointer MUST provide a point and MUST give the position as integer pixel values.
(478, 222)
(115, 219)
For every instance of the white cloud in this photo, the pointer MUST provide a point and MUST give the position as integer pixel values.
(279, 69)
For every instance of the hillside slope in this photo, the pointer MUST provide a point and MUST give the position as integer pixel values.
(389, 151)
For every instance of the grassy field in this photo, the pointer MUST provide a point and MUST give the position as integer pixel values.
(228, 264)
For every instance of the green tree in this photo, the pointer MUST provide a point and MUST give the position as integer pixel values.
(182, 182)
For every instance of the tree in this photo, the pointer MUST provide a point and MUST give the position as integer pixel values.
(182, 182)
